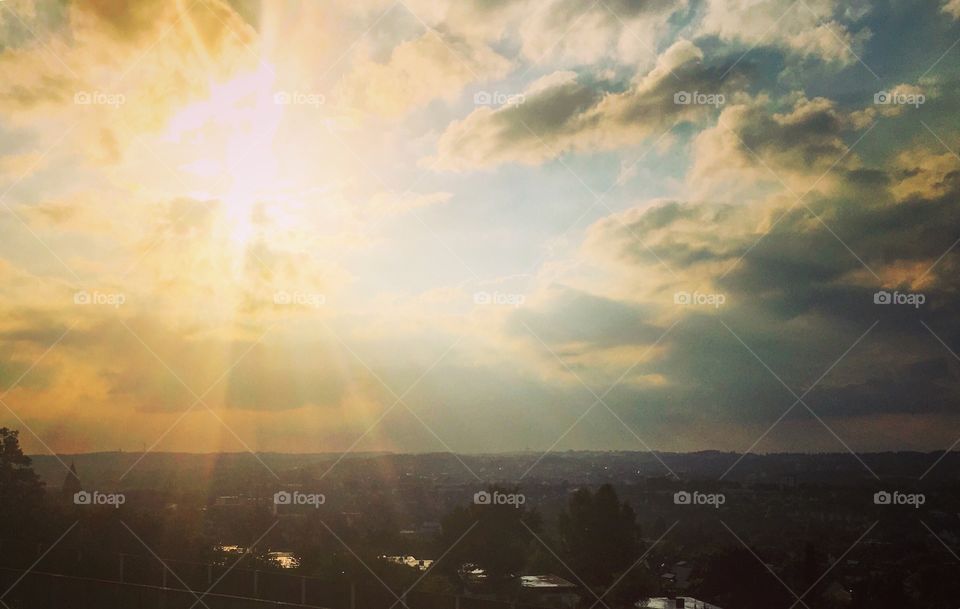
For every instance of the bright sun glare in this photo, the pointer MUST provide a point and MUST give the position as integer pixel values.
(229, 141)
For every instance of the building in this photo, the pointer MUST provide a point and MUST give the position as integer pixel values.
(680, 602)
(71, 484)
(284, 560)
(228, 501)
(678, 575)
(536, 590)
(548, 591)
(409, 561)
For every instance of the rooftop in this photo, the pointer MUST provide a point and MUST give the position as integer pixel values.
(662, 602)
(544, 581)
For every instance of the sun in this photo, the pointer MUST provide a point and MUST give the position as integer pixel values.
(226, 144)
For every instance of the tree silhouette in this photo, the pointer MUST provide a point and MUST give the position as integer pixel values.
(735, 578)
(495, 537)
(599, 535)
(21, 492)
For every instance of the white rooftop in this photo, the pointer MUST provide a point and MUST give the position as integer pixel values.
(544, 581)
(663, 602)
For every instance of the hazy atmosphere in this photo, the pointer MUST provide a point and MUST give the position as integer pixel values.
(479, 304)
(479, 226)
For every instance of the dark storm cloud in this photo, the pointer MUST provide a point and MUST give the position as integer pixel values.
(799, 297)
(908, 387)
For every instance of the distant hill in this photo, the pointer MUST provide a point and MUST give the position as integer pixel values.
(230, 472)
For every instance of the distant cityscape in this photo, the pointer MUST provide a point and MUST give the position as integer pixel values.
(560, 531)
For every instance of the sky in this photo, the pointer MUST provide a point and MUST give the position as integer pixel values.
(479, 225)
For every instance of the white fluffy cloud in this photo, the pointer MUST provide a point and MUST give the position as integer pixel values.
(805, 28)
(570, 31)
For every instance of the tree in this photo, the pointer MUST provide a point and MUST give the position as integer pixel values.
(19, 485)
(599, 536)
(813, 567)
(735, 578)
(21, 491)
(495, 537)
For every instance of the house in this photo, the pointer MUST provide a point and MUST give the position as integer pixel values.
(680, 602)
(548, 591)
(284, 560)
(409, 561)
(471, 575)
(677, 575)
(539, 590)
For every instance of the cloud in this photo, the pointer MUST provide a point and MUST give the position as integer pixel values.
(30, 81)
(803, 28)
(795, 286)
(103, 72)
(560, 32)
(892, 218)
(127, 21)
(665, 233)
(564, 112)
(754, 144)
(572, 32)
(17, 166)
(475, 19)
(418, 71)
(924, 174)
(952, 7)
(574, 319)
